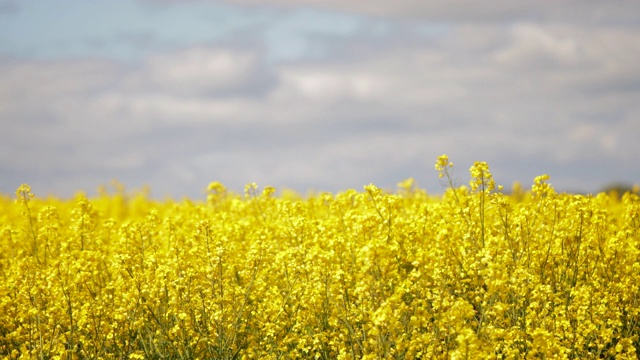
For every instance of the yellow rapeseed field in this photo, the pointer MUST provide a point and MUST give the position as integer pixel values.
(471, 274)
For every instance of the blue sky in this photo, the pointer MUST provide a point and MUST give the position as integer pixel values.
(315, 95)
(127, 31)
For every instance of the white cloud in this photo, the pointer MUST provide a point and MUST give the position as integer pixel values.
(373, 81)
(196, 71)
(533, 43)
(33, 82)
(465, 10)
(326, 85)
(583, 132)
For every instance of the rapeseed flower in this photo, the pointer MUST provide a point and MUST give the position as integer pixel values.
(354, 275)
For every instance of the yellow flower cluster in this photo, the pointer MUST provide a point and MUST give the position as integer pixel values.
(471, 274)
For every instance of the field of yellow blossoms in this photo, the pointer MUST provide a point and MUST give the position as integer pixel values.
(470, 274)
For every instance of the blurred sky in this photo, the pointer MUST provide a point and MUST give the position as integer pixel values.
(316, 94)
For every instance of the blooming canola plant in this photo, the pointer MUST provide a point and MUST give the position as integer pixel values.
(473, 273)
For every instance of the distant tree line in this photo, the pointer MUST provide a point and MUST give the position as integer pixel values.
(620, 188)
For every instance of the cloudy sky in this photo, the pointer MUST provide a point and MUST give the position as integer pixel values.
(316, 94)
